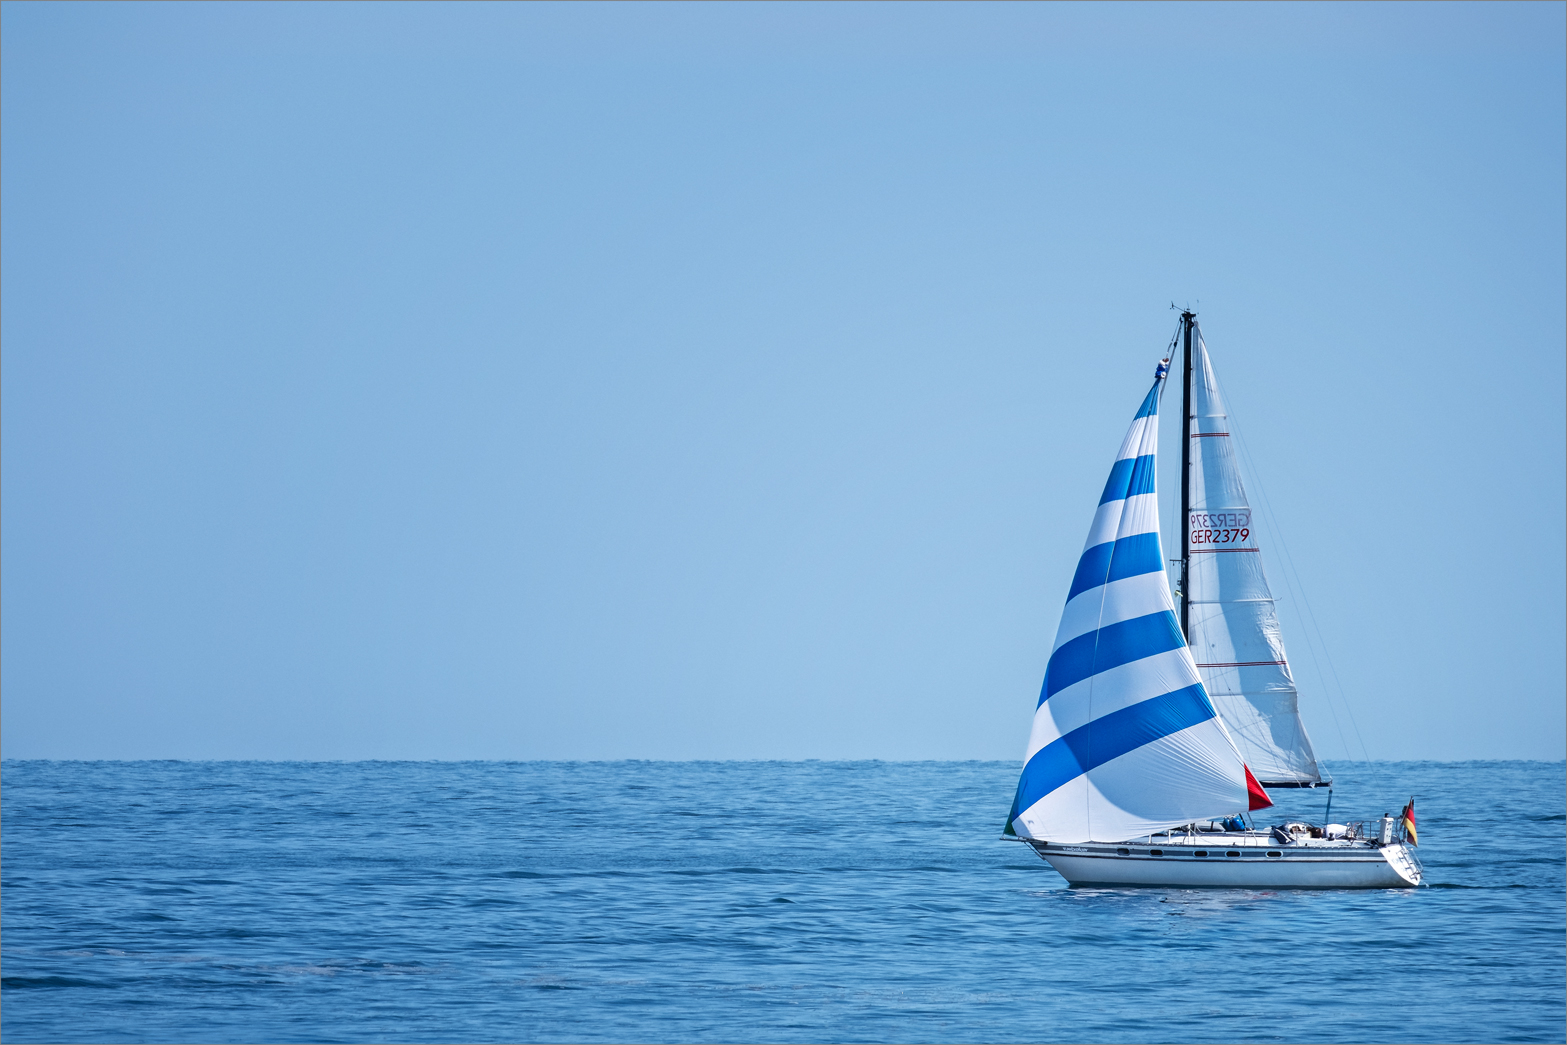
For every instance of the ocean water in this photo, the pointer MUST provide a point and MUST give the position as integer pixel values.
(733, 901)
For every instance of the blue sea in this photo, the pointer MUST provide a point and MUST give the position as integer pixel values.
(734, 902)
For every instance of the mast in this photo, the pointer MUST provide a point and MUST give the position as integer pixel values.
(1187, 318)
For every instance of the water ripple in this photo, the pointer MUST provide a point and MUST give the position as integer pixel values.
(642, 901)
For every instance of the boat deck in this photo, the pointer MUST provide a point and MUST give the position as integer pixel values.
(1241, 840)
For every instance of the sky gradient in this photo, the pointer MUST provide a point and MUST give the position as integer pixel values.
(699, 381)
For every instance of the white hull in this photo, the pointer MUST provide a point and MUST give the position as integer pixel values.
(1235, 862)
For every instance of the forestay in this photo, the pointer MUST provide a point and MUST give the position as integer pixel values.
(1232, 628)
(1125, 740)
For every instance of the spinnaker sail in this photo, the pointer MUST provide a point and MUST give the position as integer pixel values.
(1125, 740)
(1232, 628)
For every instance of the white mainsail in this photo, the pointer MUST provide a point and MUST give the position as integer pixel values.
(1232, 628)
(1125, 741)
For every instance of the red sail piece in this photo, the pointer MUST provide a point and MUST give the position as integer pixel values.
(1259, 798)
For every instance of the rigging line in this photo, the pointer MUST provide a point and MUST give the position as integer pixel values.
(1164, 503)
(1291, 584)
(1169, 359)
(1290, 568)
(1288, 562)
(1315, 629)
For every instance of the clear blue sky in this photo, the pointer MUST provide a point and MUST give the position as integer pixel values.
(698, 381)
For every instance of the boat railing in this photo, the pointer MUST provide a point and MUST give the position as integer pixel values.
(1384, 830)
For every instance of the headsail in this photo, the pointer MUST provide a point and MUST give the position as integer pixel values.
(1125, 740)
(1232, 628)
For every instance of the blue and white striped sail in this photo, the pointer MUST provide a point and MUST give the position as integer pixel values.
(1125, 740)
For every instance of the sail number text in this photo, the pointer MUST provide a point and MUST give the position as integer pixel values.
(1220, 527)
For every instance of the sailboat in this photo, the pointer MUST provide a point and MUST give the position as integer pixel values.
(1159, 730)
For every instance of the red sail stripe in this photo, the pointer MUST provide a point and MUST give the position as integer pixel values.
(1244, 664)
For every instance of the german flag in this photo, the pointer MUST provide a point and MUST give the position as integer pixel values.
(1407, 818)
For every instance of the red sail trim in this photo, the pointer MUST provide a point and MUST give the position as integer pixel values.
(1259, 798)
(1243, 664)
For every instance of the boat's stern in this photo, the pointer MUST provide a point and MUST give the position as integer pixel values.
(1402, 859)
